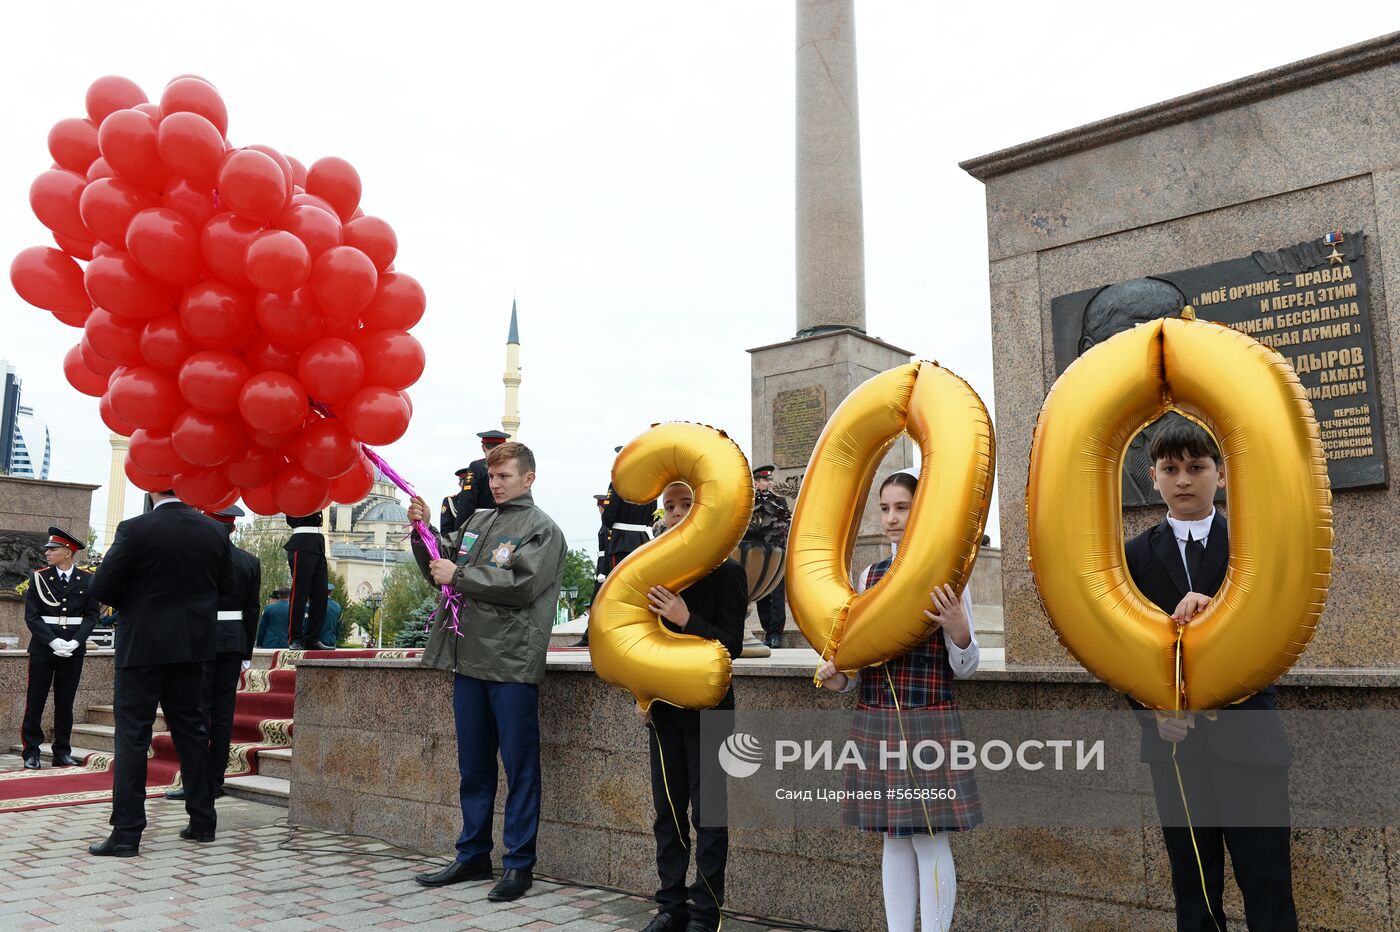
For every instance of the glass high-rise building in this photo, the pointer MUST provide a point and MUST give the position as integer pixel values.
(25, 447)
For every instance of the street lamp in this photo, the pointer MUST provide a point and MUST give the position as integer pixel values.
(375, 603)
(570, 595)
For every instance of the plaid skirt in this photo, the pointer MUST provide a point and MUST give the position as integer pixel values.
(918, 793)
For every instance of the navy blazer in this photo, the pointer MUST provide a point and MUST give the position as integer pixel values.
(1155, 563)
(165, 574)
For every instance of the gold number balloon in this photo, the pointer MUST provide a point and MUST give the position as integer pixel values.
(948, 421)
(628, 644)
(1280, 513)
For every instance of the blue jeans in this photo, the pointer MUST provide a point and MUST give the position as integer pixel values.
(500, 717)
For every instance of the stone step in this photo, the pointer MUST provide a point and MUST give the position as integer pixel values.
(276, 763)
(97, 737)
(46, 752)
(106, 715)
(259, 789)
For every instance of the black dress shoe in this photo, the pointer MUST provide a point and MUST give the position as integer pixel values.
(31, 762)
(512, 885)
(319, 646)
(189, 834)
(665, 922)
(177, 793)
(113, 849)
(65, 760)
(458, 872)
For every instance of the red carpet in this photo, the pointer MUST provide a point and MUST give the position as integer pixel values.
(262, 720)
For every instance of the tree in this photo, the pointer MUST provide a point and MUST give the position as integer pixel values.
(580, 571)
(355, 614)
(264, 540)
(405, 590)
(414, 632)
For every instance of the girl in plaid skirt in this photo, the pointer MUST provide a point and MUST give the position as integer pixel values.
(910, 700)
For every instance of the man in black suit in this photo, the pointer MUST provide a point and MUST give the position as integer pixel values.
(60, 611)
(1234, 763)
(474, 487)
(165, 573)
(233, 653)
(626, 527)
(306, 559)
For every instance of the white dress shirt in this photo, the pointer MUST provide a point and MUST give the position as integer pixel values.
(1190, 530)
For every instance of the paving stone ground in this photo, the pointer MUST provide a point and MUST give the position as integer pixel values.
(261, 874)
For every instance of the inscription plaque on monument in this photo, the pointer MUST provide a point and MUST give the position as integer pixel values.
(799, 415)
(1310, 302)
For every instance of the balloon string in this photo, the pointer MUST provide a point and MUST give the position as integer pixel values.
(684, 836)
(1181, 787)
(928, 823)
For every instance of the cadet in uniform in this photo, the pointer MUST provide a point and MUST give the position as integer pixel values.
(306, 556)
(771, 518)
(233, 653)
(625, 528)
(61, 612)
(475, 492)
(600, 570)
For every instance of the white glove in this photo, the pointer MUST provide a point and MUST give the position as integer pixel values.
(72, 646)
(65, 654)
(246, 665)
(58, 644)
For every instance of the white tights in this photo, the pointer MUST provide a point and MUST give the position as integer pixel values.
(909, 868)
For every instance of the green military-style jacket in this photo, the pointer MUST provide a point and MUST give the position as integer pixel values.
(509, 565)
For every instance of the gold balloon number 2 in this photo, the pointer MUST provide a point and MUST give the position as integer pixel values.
(1280, 513)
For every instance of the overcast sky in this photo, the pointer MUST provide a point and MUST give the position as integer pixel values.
(624, 170)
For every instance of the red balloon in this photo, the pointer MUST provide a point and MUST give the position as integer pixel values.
(153, 451)
(353, 485)
(151, 110)
(54, 198)
(392, 358)
(408, 401)
(207, 439)
(110, 94)
(211, 381)
(117, 339)
(374, 238)
(318, 229)
(277, 261)
(310, 200)
(252, 184)
(80, 376)
(223, 503)
(254, 466)
(99, 364)
(326, 449)
(344, 281)
(265, 356)
(73, 143)
(202, 486)
(345, 328)
(217, 315)
(127, 139)
(277, 442)
(259, 499)
(398, 303)
(331, 369)
(116, 282)
(107, 206)
(192, 147)
(298, 172)
(376, 415)
(51, 280)
(282, 162)
(147, 481)
(164, 243)
(100, 169)
(77, 248)
(298, 492)
(109, 417)
(273, 402)
(223, 242)
(292, 320)
(335, 181)
(146, 397)
(165, 344)
(198, 207)
(195, 95)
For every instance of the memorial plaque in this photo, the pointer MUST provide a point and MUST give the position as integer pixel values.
(1310, 302)
(799, 415)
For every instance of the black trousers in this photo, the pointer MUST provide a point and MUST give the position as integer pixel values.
(309, 578)
(47, 671)
(772, 610)
(220, 692)
(179, 690)
(679, 736)
(1260, 852)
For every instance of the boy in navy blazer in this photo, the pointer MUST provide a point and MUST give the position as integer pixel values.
(1233, 764)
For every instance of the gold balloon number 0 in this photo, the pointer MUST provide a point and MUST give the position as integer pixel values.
(628, 645)
(1280, 513)
(946, 418)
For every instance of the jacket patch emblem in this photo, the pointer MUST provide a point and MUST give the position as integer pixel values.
(504, 554)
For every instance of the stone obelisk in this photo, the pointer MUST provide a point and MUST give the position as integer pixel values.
(799, 382)
(116, 488)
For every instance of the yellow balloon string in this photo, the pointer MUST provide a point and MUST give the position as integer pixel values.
(1181, 786)
(928, 823)
(684, 836)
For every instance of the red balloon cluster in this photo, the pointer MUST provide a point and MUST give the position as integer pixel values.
(221, 293)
